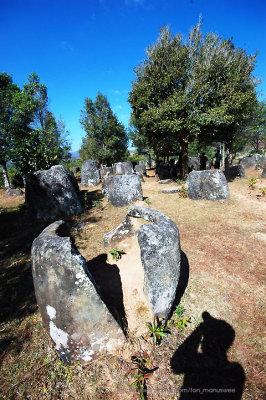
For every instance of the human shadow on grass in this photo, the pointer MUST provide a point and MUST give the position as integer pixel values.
(18, 230)
(202, 358)
(108, 281)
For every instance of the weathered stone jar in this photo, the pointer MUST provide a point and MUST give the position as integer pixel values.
(72, 310)
(52, 193)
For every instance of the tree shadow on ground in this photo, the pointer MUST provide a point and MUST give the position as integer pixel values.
(183, 281)
(18, 230)
(202, 358)
(107, 279)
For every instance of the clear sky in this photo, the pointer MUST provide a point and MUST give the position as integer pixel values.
(80, 47)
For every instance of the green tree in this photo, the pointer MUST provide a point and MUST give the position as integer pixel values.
(15, 116)
(106, 138)
(254, 132)
(29, 134)
(200, 88)
(45, 143)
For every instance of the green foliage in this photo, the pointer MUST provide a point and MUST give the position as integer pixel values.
(72, 163)
(29, 134)
(97, 203)
(106, 138)
(254, 131)
(147, 200)
(136, 158)
(196, 147)
(197, 88)
(142, 373)
(157, 330)
(116, 253)
(179, 320)
(252, 183)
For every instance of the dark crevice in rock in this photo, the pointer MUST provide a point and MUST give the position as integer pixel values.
(109, 286)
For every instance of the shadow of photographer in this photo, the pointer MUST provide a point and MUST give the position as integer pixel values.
(202, 358)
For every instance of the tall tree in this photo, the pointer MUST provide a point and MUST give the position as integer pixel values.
(106, 138)
(15, 116)
(185, 89)
(45, 144)
(254, 132)
(29, 134)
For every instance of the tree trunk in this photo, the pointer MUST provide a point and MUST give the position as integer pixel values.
(5, 175)
(184, 149)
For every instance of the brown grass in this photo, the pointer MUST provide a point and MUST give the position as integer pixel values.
(224, 243)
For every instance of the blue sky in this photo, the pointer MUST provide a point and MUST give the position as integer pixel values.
(80, 47)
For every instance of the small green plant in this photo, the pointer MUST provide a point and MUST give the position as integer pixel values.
(180, 321)
(157, 330)
(183, 191)
(116, 253)
(96, 203)
(263, 190)
(147, 200)
(252, 183)
(141, 375)
(179, 311)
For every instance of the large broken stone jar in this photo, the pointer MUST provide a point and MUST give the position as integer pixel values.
(73, 312)
(154, 238)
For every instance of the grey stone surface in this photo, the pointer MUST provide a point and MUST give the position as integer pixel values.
(72, 311)
(52, 193)
(261, 162)
(209, 185)
(106, 183)
(165, 181)
(263, 174)
(235, 171)
(193, 164)
(14, 192)
(248, 162)
(170, 189)
(107, 171)
(140, 169)
(123, 168)
(140, 176)
(123, 190)
(160, 255)
(90, 174)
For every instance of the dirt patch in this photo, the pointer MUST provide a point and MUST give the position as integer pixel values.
(137, 309)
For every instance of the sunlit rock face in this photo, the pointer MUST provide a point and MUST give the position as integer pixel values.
(90, 174)
(52, 194)
(72, 310)
(122, 190)
(208, 185)
(123, 168)
(158, 241)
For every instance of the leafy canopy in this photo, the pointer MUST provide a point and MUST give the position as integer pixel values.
(106, 138)
(201, 87)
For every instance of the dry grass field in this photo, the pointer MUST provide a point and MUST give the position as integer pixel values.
(222, 273)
